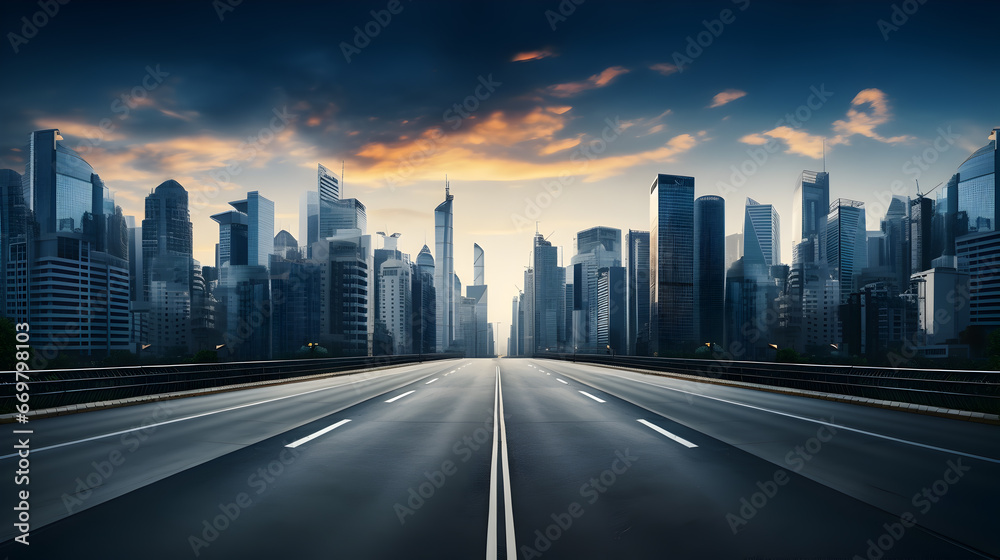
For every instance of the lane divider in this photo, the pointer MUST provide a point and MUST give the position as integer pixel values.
(561, 381)
(431, 381)
(592, 396)
(678, 439)
(309, 438)
(500, 449)
(396, 398)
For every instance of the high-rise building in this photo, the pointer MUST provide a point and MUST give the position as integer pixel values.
(921, 221)
(810, 206)
(612, 294)
(671, 262)
(244, 313)
(547, 292)
(444, 270)
(979, 257)
(978, 187)
(167, 257)
(346, 293)
(895, 226)
(424, 308)
(477, 346)
(527, 311)
(761, 234)
(233, 243)
(596, 248)
(389, 251)
(295, 314)
(396, 303)
(846, 243)
(260, 227)
(709, 267)
(286, 246)
(747, 331)
(328, 184)
(76, 254)
(308, 220)
(734, 248)
(637, 266)
(13, 240)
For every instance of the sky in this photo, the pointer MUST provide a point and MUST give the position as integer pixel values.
(559, 113)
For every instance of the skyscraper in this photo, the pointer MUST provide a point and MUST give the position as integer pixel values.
(77, 256)
(478, 293)
(596, 248)
(612, 293)
(921, 221)
(671, 245)
(478, 265)
(978, 187)
(424, 307)
(761, 234)
(13, 239)
(846, 243)
(734, 248)
(328, 184)
(260, 227)
(709, 267)
(444, 270)
(346, 293)
(547, 292)
(637, 266)
(396, 303)
(308, 220)
(810, 205)
(233, 243)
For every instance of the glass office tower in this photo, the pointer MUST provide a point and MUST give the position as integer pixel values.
(709, 267)
(444, 271)
(671, 249)
(761, 234)
(977, 187)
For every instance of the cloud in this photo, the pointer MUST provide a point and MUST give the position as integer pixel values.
(504, 146)
(533, 55)
(727, 96)
(869, 109)
(664, 68)
(860, 121)
(600, 80)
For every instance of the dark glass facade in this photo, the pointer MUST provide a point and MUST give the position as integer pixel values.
(671, 245)
(709, 267)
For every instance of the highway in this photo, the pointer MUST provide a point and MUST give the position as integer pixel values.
(507, 459)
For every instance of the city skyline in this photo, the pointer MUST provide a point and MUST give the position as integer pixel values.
(544, 95)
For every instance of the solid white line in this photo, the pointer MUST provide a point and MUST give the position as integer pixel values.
(192, 417)
(396, 398)
(508, 504)
(299, 442)
(678, 439)
(491, 524)
(814, 421)
(431, 381)
(591, 396)
(561, 381)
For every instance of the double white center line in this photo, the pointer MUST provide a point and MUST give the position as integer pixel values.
(500, 447)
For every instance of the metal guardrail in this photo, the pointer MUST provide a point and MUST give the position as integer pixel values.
(974, 391)
(54, 388)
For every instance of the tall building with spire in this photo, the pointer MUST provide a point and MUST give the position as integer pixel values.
(444, 270)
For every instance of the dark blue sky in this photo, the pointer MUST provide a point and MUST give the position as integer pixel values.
(222, 82)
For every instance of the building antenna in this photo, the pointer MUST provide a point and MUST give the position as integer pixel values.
(447, 186)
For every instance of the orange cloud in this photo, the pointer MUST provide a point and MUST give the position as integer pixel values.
(664, 68)
(532, 55)
(864, 122)
(727, 96)
(602, 79)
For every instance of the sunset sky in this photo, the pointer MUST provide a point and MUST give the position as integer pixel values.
(605, 97)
